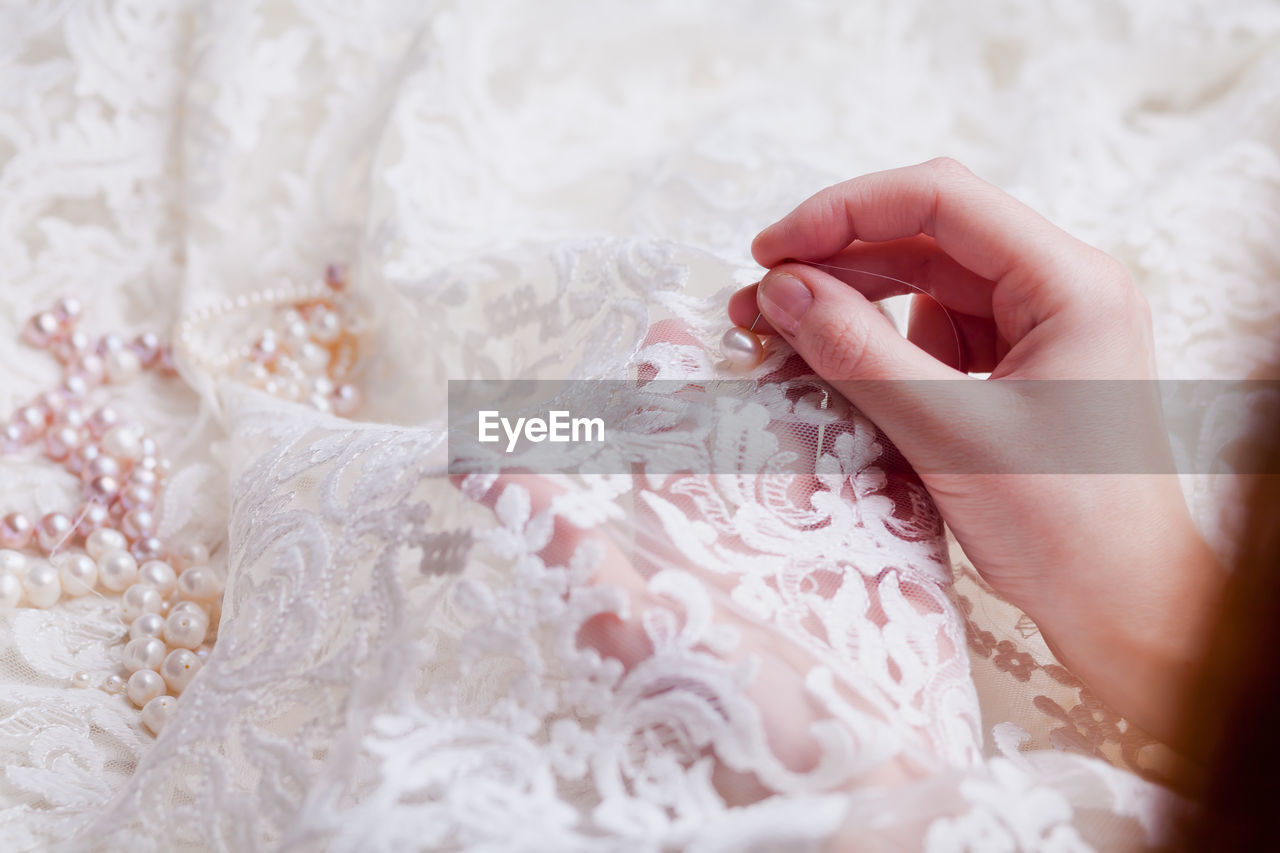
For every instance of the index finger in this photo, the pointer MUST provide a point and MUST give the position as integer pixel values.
(983, 228)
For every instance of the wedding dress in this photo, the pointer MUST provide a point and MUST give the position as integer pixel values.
(567, 190)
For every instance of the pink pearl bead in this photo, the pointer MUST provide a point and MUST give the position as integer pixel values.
(15, 435)
(75, 386)
(54, 531)
(78, 460)
(102, 420)
(54, 403)
(93, 516)
(147, 548)
(134, 496)
(138, 523)
(67, 310)
(345, 400)
(41, 330)
(72, 346)
(335, 276)
(74, 415)
(147, 348)
(144, 477)
(109, 343)
(101, 465)
(103, 488)
(60, 441)
(90, 368)
(35, 418)
(16, 530)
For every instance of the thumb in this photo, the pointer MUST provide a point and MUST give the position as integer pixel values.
(847, 341)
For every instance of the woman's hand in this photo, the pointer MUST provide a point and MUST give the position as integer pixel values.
(1109, 565)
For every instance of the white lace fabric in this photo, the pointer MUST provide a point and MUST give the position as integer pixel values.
(564, 190)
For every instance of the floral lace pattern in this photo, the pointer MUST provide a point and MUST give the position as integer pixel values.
(583, 662)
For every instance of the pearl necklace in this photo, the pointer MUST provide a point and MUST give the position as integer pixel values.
(306, 354)
(169, 596)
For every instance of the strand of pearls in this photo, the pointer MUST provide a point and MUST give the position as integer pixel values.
(305, 354)
(169, 596)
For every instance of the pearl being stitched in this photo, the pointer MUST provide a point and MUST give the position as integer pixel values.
(742, 348)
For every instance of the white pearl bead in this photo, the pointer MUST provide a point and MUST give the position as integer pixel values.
(141, 598)
(146, 625)
(122, 366)
(81, 679)
(185, 630)
(145, 685)
(10, 591)
(123, 441)
(742, 348)
(144, 653)
(189, 607)
(104, 540)
(322, 386)
(179, 667)
(198, 584)
(14, 562)
(345, 400)
(191, 554)
(325, 325)
(294, 330)
(313, 357)
(42, 585)
(113, 684)
(159, 574)
(117, 570)
(156, 713)
(78, 573)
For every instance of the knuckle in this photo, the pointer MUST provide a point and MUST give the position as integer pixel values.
(948, 168)
(1113, 290)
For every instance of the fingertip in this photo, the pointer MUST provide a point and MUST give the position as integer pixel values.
(744, 311)
(759, 248)
(742, 305)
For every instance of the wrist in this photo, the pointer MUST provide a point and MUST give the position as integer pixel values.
(1138, 643)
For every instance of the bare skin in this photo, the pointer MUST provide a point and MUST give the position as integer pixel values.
(1110, 566)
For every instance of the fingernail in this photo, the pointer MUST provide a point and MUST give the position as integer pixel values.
(783, 299)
